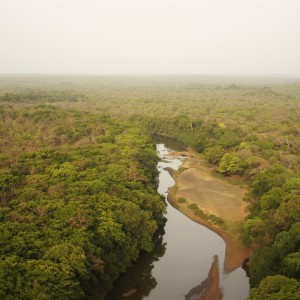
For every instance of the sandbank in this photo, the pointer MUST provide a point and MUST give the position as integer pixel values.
(196, 184)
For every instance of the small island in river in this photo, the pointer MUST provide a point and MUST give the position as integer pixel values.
(212, 202)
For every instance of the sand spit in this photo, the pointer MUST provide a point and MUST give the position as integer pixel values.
(196, 184)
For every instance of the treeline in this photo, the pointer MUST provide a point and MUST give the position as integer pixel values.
(232, 149)
(38, 95)
(273, 229)
(78, 202)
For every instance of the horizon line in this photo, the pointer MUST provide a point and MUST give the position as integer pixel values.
(264, 75)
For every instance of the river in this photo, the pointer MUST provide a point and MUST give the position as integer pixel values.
(183, 256)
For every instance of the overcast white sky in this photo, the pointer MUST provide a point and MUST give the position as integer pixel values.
(150, 37)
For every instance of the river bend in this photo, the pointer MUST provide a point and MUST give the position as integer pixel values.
(187, 260)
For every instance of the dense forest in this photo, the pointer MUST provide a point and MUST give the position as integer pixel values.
(78, 202)
(78, 175)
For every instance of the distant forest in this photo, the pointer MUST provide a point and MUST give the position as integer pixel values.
(78, 175)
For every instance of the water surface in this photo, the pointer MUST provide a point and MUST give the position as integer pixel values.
(183, 256)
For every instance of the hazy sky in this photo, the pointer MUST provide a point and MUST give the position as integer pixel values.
(150, 36)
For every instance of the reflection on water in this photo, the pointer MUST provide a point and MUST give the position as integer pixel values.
(138, 279)
(185, 259)
(168, 142)
(208, 289)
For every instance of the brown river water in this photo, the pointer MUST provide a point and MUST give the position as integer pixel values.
(187, 261)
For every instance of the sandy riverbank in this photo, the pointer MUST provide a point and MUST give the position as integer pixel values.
(214, 196)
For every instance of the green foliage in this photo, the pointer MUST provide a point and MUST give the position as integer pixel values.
(181, 200)
(288, 212)
(232, 164)
(281, 257)
(37, 279)
(7, 183)
(75, 212)
(276, 287)
(38, 95)
(229, 139)
(193, 206)
(271, 199)
(214, 154)
(291, 264)
(208, 217)
(275, 176)
(273, 225)
(254, 231)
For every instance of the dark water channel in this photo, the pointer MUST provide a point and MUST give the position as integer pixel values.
(184, 254)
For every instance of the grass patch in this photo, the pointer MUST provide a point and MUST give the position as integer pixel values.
(200, 213)
(215, 220)
(197, 211)
(193, 206)
(182, 200)
(207, 217)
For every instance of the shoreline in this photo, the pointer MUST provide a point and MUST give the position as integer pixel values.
(235, 252)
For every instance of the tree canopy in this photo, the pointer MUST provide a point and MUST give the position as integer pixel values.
(76, 208)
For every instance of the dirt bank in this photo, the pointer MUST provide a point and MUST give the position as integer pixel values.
(196, 184)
